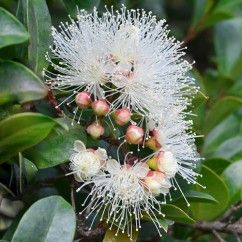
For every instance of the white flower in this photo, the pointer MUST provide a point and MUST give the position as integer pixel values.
(86, 163)
(177, 155)
(122, 196)
(128, 49)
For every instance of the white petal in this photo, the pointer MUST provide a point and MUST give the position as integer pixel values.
(79, 146)
(113, 166)
(141, 169)
(102, 154)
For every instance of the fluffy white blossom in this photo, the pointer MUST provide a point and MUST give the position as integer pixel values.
(127, 61)
(85, 163)
(127, 53)
(122, 196)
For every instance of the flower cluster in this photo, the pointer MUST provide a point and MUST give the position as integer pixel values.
(124, 70)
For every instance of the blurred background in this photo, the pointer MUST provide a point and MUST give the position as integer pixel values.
(212, 32)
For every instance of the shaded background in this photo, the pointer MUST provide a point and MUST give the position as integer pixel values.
(212, 31)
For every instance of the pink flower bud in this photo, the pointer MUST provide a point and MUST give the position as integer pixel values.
(122, 116)
(134, 134)
(100, 107)
(83, 100)
(95, 130)
(157, 183)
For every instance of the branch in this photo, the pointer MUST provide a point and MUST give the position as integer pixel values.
(53, 102)
(85, 234)
(217, 235)
(235, 228)
(231, 211)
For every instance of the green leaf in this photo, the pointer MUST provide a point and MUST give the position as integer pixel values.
(19, 84)
(29, 169)
(57, 147)
(72, 5)
(176, 214)
(218, 165)
(216, 187)
(236, 89)
(226, 129)
(22, 131)
(228, 5)
(220, 110)
(201, 7)
(233, 178)
(230, 149)
(11, 30)
(35, 15)
(228, 44)
(165, 223)
(49, 219)
(110, 236)
(202, 197)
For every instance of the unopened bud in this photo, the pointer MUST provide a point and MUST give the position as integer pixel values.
(95, 130)
(164, 162)
(83, 100)
(134, 134)
(100, 107)
(153, 144)
(167, 163)
(157, 183)
(122, 116)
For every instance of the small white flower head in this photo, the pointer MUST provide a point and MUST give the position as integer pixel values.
(85, 163)
(125, 195)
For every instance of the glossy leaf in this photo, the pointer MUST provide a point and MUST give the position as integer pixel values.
(230, 149)
(228, 44)
(57, 148)
(22, 131)
(218, 165)
(216, 188)
(39, 27)
(233, 178)
(11, 30)
(176, 214)
(202, 197)
(49, 219)
(35, 15)
(226, 129)
(29, 169)
(201, 7)
(222, 109)
(19, 84)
